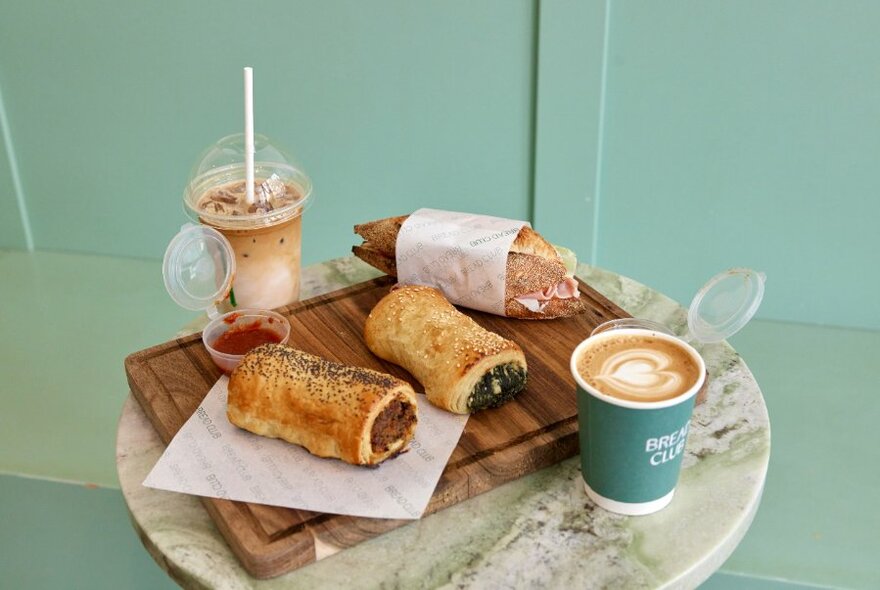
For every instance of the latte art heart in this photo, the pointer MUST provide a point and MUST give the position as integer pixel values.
(641, 372)
(638, 367)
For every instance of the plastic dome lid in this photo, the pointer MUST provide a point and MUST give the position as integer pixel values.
(725, 304)
(198, 268)
(215, 191)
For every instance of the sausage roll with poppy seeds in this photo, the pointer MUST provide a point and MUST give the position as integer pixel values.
(462, 366)
(333, 410)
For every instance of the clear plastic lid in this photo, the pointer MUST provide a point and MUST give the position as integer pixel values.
(725, 304)
(215, 193)
(199, 267)
(719, 310)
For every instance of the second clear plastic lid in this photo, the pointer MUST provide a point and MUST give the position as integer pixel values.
(725, 304)
(199, 267)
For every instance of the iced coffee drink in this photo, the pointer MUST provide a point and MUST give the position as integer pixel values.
(265, 233)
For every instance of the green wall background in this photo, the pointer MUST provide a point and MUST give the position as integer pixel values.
(12, 227)
(387, 105)
(746, 133)
(666, 142)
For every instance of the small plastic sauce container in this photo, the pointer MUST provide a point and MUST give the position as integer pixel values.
(198, 269)
(232, 335)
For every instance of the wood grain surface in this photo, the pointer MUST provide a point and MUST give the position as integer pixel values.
(537, 429)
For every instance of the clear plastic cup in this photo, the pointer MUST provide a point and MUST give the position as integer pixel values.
(266, 235)
(242, 320)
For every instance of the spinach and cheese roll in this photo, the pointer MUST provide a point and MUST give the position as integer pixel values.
(462, 366)
(333, 410)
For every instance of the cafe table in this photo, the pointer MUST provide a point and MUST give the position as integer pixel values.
(539, 531)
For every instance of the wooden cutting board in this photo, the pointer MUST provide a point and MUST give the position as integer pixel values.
(535, 430)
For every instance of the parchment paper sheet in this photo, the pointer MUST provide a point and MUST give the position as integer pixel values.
(209, 456)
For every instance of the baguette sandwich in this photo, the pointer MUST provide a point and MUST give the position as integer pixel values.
(537, 283)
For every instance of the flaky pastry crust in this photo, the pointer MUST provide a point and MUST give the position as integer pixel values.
(462, 366)
(327, 407)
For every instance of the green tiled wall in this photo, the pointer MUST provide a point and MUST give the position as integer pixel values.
(746, 133)
(388, 105)
(664, 141)
(568, 121)
(12, 232)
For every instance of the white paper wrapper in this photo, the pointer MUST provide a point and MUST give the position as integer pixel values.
(211, 457)
(462, 254)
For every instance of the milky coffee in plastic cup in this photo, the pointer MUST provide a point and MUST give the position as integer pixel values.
(265, 235)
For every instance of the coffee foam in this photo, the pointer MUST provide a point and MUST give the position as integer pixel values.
(638, 367)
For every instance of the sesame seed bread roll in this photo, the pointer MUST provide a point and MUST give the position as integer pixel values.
(462, 366)
(333, 410)
(533, 269)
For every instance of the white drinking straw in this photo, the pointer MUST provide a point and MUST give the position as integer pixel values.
(249, 134)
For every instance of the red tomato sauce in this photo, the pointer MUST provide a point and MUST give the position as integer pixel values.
(242, 340)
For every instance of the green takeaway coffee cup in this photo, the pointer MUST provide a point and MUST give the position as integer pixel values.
(636, 390)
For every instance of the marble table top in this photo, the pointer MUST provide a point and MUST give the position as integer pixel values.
(540, 531)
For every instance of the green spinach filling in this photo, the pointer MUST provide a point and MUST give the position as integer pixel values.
(497, 386)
